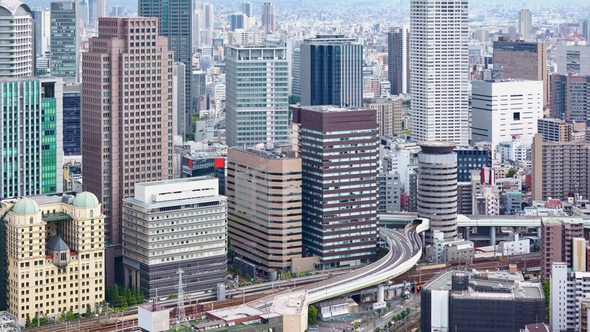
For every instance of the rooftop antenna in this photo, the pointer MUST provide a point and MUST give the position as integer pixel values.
(180, 314)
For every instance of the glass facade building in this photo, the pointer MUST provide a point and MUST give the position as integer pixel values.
(71, 120)
(470, 160)
(257, 94)
(65, 40)
(31, 136)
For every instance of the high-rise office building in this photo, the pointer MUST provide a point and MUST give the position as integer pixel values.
(268, 17)
(439, 81)
(237, 21)
(71, 119)
(557, 235)
(398, 48)
(208, 16)
(504, 109)
(65, 41)
(157, 243)
(389, 115)
(129, 139)
(42, 20)
(32, 136)
(340, 183)
(569, 97)
(437, 188)
(246, 8)
(331, 71)
(116, 11)
(257, 114)
(263, 232)
(524, 60)
(573, 59)
(176, 21)
(182, 120)
(96, 9)
(296, 73)
(525, 24)
(60, 266)
(17, 49)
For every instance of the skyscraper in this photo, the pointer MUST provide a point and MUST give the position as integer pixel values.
(525, 24)
(32, 136)
(331, 71)
(208, 16)
(96, 9)
(569, 97)
(127, 121)
(339, 183)
(236, 21)
(268, 17)
(71, 119)
(437, 188)
(439, 81)
(246, 8)
(257, 112)
(42, 20)
(296, 73)
(17, 47)
(526, 60)
(398, 46)
(176, 21)
(65, 41)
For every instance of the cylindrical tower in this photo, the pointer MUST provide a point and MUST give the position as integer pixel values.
(437, 188)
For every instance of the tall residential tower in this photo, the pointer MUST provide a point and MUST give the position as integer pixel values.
(439, 65)
(398, 72)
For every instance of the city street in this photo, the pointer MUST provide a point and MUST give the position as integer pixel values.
(395, 310)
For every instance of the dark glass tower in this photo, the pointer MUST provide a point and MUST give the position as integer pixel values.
(175, 21)
(331, 71)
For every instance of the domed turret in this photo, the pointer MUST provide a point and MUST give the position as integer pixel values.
(25, 205)
(85, 199)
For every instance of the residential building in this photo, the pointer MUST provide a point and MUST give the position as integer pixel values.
(33, 113)
(42, 20)
(176, 20)
(437, 188)
(389, 192)
(253, 116)
(473, 158)
(18, 30)
(263, 232)
(464, 198)
(559, 168)
(438, 80)
(463, 301)
(398, 48)
(60, 267)
(486, 201)
(557, 236)
(553, 130)
(570, 95)
(523, 60)
(339, 218)
(503, 109)
(569, 298)
(525, 24)
(141, 127)
(389, 114)
(71, 119)
(413, 191)
(268, 17)
(331, 71)
(573, 59)
(65, 40)
(170, 225)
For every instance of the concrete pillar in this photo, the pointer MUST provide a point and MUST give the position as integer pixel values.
(467, 229)
(492, 236)
(380, 291)
(539, 231)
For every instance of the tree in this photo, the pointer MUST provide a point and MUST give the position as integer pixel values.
(547, 291)
(28, 321)
(88, 310)
(312, 315)
(70, 315)
(511, 173)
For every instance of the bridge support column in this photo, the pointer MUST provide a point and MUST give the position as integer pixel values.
(466, 237)
(492, 236)
(380, 291)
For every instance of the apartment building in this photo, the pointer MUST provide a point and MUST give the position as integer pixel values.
(389, 115)
(389, 192)
(557, 236)
(264, 207)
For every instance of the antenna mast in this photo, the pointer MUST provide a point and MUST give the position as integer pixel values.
(180, 314)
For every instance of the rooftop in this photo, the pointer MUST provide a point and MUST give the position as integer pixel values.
(235, 313)
(290, 304)
(274, 154)
(332, 108)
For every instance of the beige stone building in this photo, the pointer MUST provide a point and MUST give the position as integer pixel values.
(264, 205)
(55, 250)
(389, 115)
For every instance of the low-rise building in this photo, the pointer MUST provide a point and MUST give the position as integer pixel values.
(389, 192)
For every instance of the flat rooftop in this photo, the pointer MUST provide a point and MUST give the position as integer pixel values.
(290, 304)
(332, 109)
(235, 313)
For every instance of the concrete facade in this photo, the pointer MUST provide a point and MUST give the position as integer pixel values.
(556, 242)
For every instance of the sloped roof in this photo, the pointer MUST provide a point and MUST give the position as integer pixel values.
(57, 244)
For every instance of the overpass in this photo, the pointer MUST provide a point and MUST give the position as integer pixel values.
(482, 221)
(405, 251)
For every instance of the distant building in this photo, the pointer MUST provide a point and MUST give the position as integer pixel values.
(211, 164)
(389, 192)
(553, 130)
(557, 236)
(42, 31)
(463, 301)
(469, 159)
(398, 72)
(349, 171)
(525, 24)
(331, 71)
(33, 134)
(71, 119)
(170, 225)
(237, 21)
(246, 8)
(569, 97)
(65, 40)
(264, 208)
(573, 59)
(464, 198)
(268, 18)
(516, 115)
(60, 266)
(296, 72)
(513, 151)
(512, 202)
(389, 113)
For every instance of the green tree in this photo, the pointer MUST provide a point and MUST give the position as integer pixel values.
(28, 321)
(377, 329)
(356, 325)
(312, 315)
(547, 291)
(115, 292)
(70, 315)
(88, 310)
(511, 173)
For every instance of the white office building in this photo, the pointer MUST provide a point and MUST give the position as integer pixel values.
(525, 24)
(502, 110)
(513, 150)
(573, 59)
(16, 50)
(439, 67)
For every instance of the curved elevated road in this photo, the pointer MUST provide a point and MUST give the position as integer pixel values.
(405, 251)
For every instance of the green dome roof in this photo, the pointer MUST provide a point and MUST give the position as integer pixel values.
(85, 199)
(25, 205)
